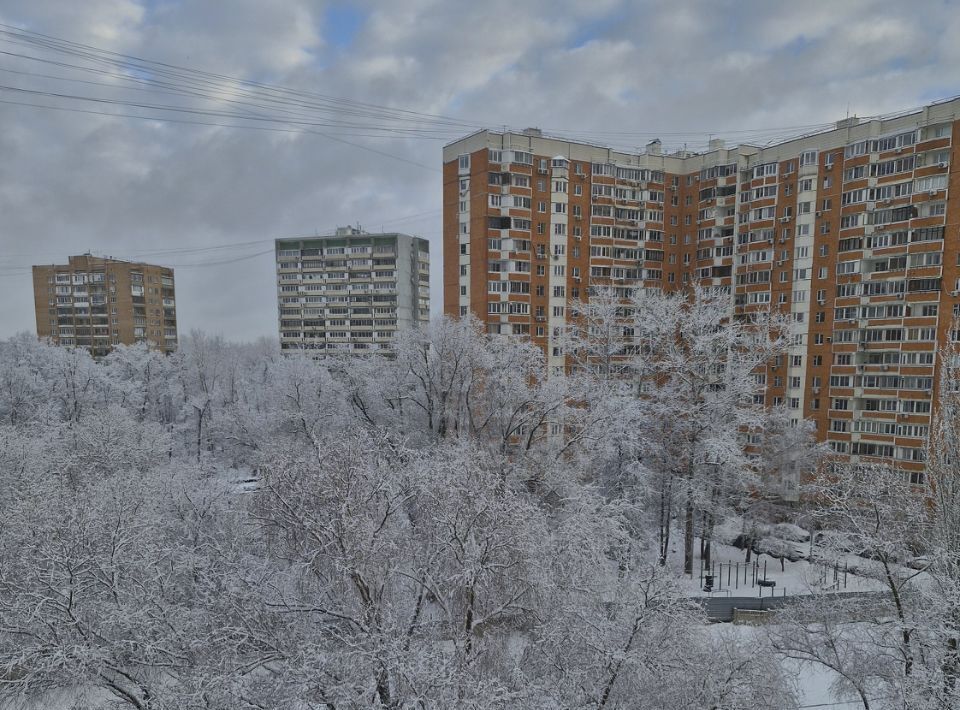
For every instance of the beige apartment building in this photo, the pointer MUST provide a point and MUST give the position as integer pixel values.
(97, 303)
(351, 291)
(853, 231)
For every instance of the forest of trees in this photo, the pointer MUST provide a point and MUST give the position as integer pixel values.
(229, 527)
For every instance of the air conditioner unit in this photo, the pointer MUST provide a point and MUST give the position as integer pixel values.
(780, 262)
(899, 150)
(819, 214)
(822, 301)
(941, 165)
(783, 220)
(885, 368)
(903, 415)
(955, 293)
(816, 390)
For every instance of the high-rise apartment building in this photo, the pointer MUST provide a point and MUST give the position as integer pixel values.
(96, 303)
(351, 291)
(853, 230)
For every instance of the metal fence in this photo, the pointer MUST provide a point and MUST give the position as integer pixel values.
(720, 608)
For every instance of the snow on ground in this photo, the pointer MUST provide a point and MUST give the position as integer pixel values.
(816, 569)
(812, 681)
(801, 577)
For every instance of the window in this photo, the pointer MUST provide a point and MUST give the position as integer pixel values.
(464, 162)
(765, 170)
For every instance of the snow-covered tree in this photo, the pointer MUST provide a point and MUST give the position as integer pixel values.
(694, 372)
(232, 527)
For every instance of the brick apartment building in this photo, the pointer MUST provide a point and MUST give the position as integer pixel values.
(96, 303)
(851, 230)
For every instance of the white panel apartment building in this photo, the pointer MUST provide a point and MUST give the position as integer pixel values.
(351, 291)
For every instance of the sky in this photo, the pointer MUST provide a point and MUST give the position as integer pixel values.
(209, 199)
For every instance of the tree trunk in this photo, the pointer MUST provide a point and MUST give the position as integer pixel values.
(707, 538)
(200, 413)
(951, 664)
(703, 537)
(688, 536)
(666, 506)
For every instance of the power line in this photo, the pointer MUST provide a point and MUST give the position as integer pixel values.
(289, 123)
(18, 269)
(214, 113)
(224, 85)
(79, 49)
(284, 109)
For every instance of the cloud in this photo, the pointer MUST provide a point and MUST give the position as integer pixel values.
(72, 181)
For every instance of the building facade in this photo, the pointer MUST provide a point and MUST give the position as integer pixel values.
(97, 303)
(350, 292)
(854, 231)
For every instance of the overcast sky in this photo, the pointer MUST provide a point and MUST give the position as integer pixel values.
(618, 71)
